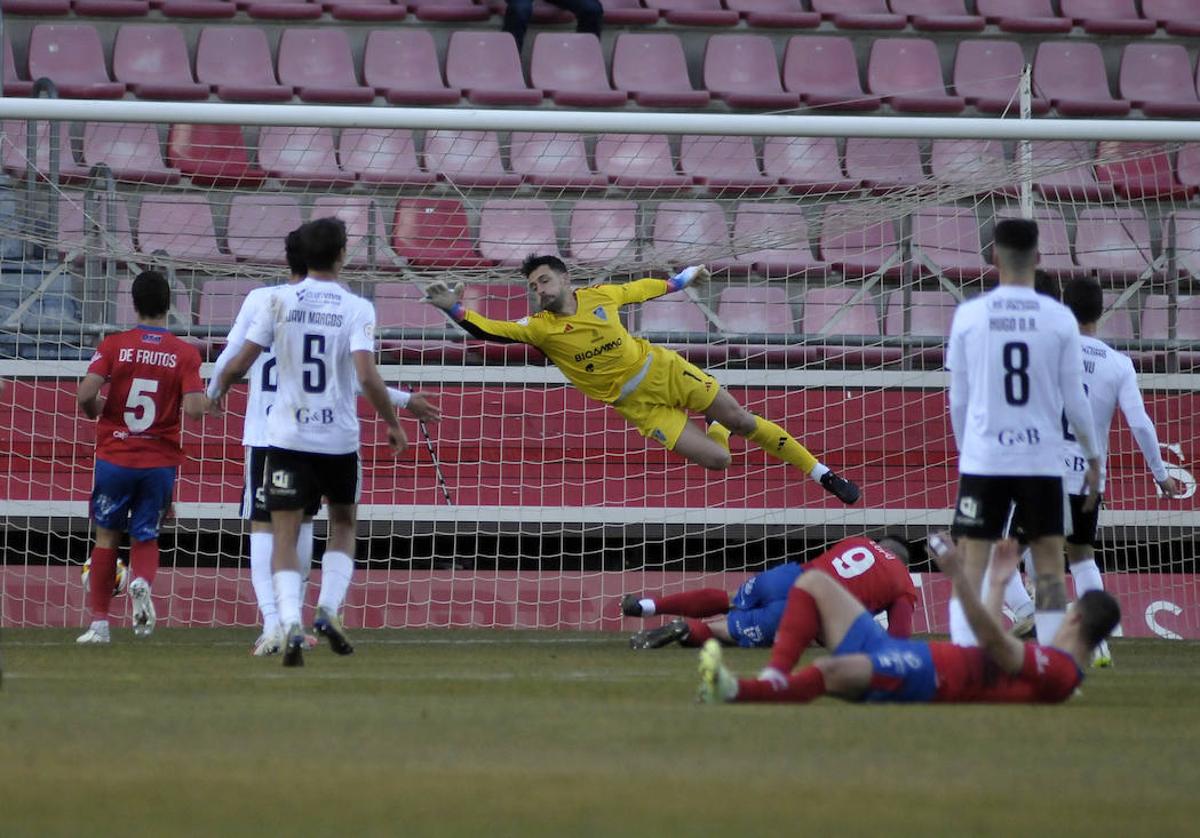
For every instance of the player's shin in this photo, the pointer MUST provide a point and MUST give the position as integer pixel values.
(704, 602)
(698, 632)
(287, 596)
(1051, 602)
(781, 445)
(143, 560)
(798, 628)
(803, 686)
(304, 553)
(1086, 575)
(260, 578)
(102, 580)
(337, 570)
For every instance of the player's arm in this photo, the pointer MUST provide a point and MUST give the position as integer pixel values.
(195, 400)
(1129, 397)
(234, 343)
(260, 335)
(418, 404)
(89, 398)
(362, 352)
(900, 618)
(641, 290)
(956, 362)
(1079, 412)
(1005, 650)
(448, 299)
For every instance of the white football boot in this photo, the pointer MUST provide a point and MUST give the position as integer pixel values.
(96, 635)
(143, 608)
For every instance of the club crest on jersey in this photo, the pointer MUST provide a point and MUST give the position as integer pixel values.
(968, 509)
(659, 435)
(599, 312)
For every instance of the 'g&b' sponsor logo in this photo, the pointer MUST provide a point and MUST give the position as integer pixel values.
(1009, 437)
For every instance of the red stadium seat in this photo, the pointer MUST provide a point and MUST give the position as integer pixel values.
(72, 57)
(153, 60)
(638, 161)
(509, 230)
(1114, 243)
(629, 13)
(556, 160)
(945, 242)
(930, 314)
(1116, 323)
(14, 85)
(972, 162)
(281, 9)
(543, 11)
(1063, 171)
(300, 156)
(690, 233)
(318, 63)
(449, 11)
(988, 73)
(603, 232)
(75, 216)
(938, 15)
(401, 305)
(858, 248)
(211, 155)
(741, 71)
(487, 67)
(1187, 166)
(824, 72)
(1187, 324)
(883, 165)
(778, 234)
(111, 8)
(724, 164)
(759, 310)
(843, 310)
(402, 66)
(1023, 16)
(366, 234)
(907, 73)
(15, 144)
(1141, 171)
(1158, 80)
(1107, 17)
(806, 165)
(677, 315)
(467, 158)
(130, 150)
(433, 233)
(198, 9)
(1176, 17)
(771, 14)
(381, 155)
(365, 10)
(858, 14)
(1071, 75)
(509, 301)
(653, 70)
(221, 299)
(569, 67)
(1054, 244)
(236, 61)
(694, 12)
(37, 8)
(258, 225)
(181, 226)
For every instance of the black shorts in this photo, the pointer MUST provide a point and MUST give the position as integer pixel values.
(254, 495)
(1084, 524)
(297, 479)
(984, 501)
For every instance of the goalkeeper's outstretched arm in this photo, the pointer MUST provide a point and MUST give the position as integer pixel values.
(447, 298)
(641, 290)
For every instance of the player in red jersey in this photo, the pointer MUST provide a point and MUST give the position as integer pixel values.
(874, 572)
(150, 374)
(867, 665)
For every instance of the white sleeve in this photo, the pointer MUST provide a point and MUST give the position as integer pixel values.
(362, 333)
(959, 383)
(1134, 409)
(1075, 402)
(262, 328)
(233, 344)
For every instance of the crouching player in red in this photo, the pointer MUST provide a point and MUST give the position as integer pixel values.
(874, 572)
(867, 665)
(150, 374)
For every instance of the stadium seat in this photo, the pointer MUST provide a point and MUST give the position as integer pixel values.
(468, 159)
(842, 310)
(130, 150)
(776, 240)
(741, 70)
(433, 233)
(1054, 244)
(691, 233)
(486, 66)
(1140, 171)
(1155, 322)
(569, 67)
(907, 73)
(629, 13)
(211, 155)
(317, 62)
(988, 73)
(37, 8)
(977, 163)
(509, 301)
(365, 10)
(543, 11)
(930, 314)
(449, 11)
(724, 164)
(402, 66)
(509, 230)
(556, 160)
(1158, 80)
(638, 161)
(401, 305)
(761, 310)
(603, 232)
(236, 62)
(945, 242)
(1185, 239)
(1023, 16)
(153, 61)
(858, 14)
(111, 8)
(14, 85)
(15, 143)
(884, 164)
(73, 208)
(381, 155)
(198, 9)
(1114, 243)
(823, 71)
(694, 12)
(1176, 17)
(181, 305)
(72, 57)
(938, 15)
(280, 9)
(653, 70)
(365, 229)
(258, 225)
(180, 226)
(806, 165)
(1058, 180)
(1187, 165)
(220, 300)
(856, 247)
(676, 316)
(1071, 75)
(1107, 17)
(300, 156)
(1117, 323)
(771, 14)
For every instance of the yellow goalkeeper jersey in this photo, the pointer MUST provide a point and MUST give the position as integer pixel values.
(592, 348)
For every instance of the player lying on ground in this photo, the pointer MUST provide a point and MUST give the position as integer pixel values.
(580, 331)
(867, 665)
(874, 572)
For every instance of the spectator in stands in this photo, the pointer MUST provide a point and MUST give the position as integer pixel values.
(589, 14)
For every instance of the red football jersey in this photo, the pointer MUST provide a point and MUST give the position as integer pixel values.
(148, 371)
(876, 577)
(966, 673)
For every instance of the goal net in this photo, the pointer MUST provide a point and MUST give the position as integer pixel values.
(837, 264)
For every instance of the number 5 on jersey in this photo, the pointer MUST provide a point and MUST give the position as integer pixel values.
(140, 411)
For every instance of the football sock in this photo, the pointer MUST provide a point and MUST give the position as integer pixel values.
(781, 445)
(260, 578)
(1087, 577)
(287, 596)
(1017, 598)
(704, 602)
(101, 580)
(1047, 623)
(698, 632)
(648, 607)
(143, 560)
(805, 685)
(304, 553)
(337, 569)
(719, 434)
(798, 627)
(960, 630)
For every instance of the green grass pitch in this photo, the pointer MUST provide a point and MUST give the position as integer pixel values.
(566, 734)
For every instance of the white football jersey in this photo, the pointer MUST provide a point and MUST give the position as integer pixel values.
(1109, 379)
(262, 375)
(314, 326)
(1014, 368)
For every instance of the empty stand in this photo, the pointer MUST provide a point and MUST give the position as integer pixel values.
(859, 14)
(857, 247)
(772, 14)
(823, 71)
(637, 161)
(509, 230)
(401, 305)
(603, 232)
(677, 315)
(980, 163)
(1156, 322)
(629, 13)
(77, 219)
(694, 12)
(300, 156)
(1071, 75)
(1185, 238)
(72, 56)
(1177, 17)
(433, 233)
(1064, 172)
(487, 67)
(724, 164)
(778, 238)
(945, 242)
(258, 225)
(556, 160)
(1116, 324)
(366, 229)
(503, 302)
(317, 62)
(988, 73)
(1023, 16)
(130, 150)
(938, 15)
(833, 311)
(1187, 166)
(15, 145)
(884, 164)
(690, 233)
(467, 159)
(741, 70)
(365, 10)
(198, 9)
(806, 165)
(1107, 17)
(14, 85)
(211, 155)
(111, 8)
(37, 8)
(281, 9)
(929, 313)
(1158, 80)
(449, 11)
(381, 155)
(908, 74)
(179, 226)
(653, 70)
(402, 66)
(220, 300)
(153, 61)
(1143, 171)
(1114, 243)
(236, 61)
(759, 310)
(570, 68)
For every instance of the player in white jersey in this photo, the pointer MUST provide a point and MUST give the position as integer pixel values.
(261, 396)
(1014, 370)
(324, 342)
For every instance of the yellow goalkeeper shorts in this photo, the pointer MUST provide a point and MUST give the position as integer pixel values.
(671, 387)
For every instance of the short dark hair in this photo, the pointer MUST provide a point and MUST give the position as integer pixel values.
(324, 240)
(294, 249)
(896, 544)
(533, 261)
(1016, 241)
(1047, 283)
(1099, 614)
(1085, 299)
(151, 294)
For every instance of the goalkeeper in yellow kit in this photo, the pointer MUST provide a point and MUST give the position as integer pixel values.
(580, 331)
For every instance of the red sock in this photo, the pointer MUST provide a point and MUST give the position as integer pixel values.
(706, 602)
(698, 632)
(804, 686)
(799, 627)
(101, 579)
(143, 560)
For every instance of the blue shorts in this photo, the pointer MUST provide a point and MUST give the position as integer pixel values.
(757, 607)
(902, 669)
(133, 499)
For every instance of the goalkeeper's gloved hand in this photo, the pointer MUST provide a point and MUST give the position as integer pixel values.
(694, 275)
(442, 295)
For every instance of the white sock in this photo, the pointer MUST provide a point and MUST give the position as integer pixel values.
(1087, 577)
(337, 569)
(647, 607)
(260, 577)
(287, 594)
(1017, 599)
(1047, 623)
(960, 629)
(819, 471)
(304, 551)
(1027, 562)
